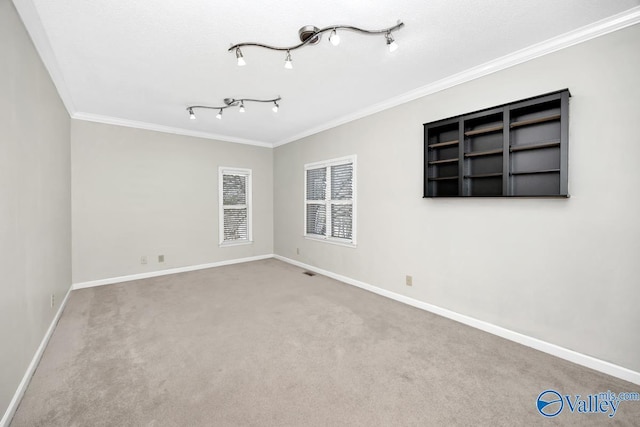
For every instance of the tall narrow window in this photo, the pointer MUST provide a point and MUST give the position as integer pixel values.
(235, 206)
(330, 202)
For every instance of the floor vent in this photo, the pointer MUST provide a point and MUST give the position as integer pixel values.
(308, 273)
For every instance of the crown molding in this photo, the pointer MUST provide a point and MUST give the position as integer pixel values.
(31, 19)
(97, 118)
(599, 28)
(35, 29)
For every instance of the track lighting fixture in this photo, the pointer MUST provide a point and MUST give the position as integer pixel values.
(232, 102)
(310, 35)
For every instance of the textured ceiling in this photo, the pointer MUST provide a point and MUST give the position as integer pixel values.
(142, 62)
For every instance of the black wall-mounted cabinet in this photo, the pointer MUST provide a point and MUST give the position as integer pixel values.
(514, 150)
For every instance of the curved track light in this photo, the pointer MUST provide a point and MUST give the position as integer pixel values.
(232, 102)
(310, 35)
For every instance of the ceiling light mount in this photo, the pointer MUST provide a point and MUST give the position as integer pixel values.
(310, 35)
(310, 32)
(231, 102)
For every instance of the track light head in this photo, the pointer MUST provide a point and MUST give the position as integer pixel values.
(241, 61)
(241, 107)
(275, 107)
(219, 115)
(192, 116)
(288, 64)
(334, 38)
(391, 43)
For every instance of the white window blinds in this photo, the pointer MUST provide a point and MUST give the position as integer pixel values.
(330, 200)
(235, 206)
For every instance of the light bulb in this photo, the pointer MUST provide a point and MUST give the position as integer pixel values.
(391, 43)
(219, 115)
(275, 107)
(241, 61)
(191, 115)
(334, 38)
(242, 107)
(288, 64)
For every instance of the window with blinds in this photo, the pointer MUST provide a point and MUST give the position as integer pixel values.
(235, 206)
(329, 212)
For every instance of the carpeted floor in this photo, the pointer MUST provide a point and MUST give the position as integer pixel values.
(262, 344)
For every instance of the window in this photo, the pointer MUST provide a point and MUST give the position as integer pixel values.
(235, 206)
(330, 200)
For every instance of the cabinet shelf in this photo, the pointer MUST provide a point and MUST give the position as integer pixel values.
(440, 162)
(483, 130)
(484, 175)
(537, 145)
(483, 153)
(443, 178)
(535, 121)
(535, 172)
(443, 144)
(519, 149)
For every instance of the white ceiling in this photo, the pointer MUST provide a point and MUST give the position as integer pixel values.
(141, 62)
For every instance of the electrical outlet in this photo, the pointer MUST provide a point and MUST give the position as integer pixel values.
(143, 259)
(409, 281)
(297, 251)
(160, 258)
(53, 300)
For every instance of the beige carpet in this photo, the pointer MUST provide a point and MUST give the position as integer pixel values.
(262, 344)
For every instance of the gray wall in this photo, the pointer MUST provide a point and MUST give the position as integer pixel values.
(562, 270)
(138, 192)
(35, 201)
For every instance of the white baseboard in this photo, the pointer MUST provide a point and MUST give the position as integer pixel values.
(17, 397)
(13, 405)
(552, 349)
(112, 280)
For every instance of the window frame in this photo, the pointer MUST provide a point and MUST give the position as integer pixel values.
(223, 170)
(328, 202)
